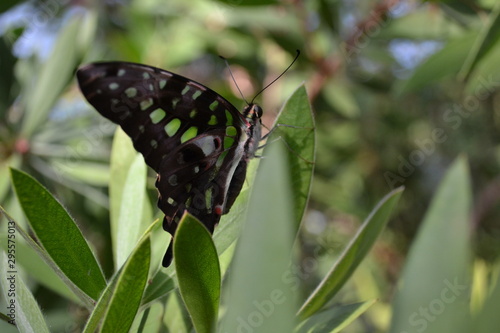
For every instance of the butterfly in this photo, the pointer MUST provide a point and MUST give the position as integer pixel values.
(198, 143)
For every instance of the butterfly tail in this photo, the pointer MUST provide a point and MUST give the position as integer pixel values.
(167, 258)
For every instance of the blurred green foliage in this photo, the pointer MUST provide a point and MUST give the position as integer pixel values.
(399, 90)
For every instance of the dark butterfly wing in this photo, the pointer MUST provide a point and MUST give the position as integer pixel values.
(192, 137)
(196, 177)
(156, 108)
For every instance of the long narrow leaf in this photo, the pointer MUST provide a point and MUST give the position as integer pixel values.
(352, 255)
(433, 292)
(42, 254)
(126, 299)
(120, 301)
(55, 73)
(334, 319)
(147, 321)
(122, 157)
(58, 234)
(295, 128)
(257, 298)
(159, 286)
(486, 40)
(21, 307)
(28, 257)
(488, 319)
(198, 272)
(444, 63)
(131, 210)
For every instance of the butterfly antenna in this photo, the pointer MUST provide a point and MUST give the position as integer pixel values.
(276, 79)
(234, 80)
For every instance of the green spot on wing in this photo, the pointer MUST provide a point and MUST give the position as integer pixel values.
(214, 105)
(157, 116)
(193, 113)
(208, 198)
(228, 142)
(229, 118)
(221, 158)
(231, 131)
(172, 127)
(185, 90)
(196, 94)
(213, 120)
(175, 101)
(131, 92)
(146, 103)
(162, 83)
(189, 134)
(113, 86)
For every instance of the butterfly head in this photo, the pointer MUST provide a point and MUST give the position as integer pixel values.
(252, 113)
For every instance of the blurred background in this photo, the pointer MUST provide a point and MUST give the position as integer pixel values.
(397, 89)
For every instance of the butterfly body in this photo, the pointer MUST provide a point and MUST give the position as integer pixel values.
(198, 143)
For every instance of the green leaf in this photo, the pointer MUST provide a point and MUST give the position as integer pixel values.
(8, 4)
(176, 319)
(91, 173)
(160, 285)
(334, 319)
(352, 256)
(433, 292)
(424, 23)
(120, 301)
(486, 40)
(54, 75)
(27, 257)
(483, 81)
(19, 300)
(13, 161)
(84, 298)
(122, 157)
(130, 286)
(258, 298)
(444, 63)
(296, 130)
(58, 234)
(198, 272)
(130, 224)
(101, 306)
(488, 320)
(148, 321)
(340, 96)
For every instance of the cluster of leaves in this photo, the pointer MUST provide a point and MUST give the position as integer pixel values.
(126, 300)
